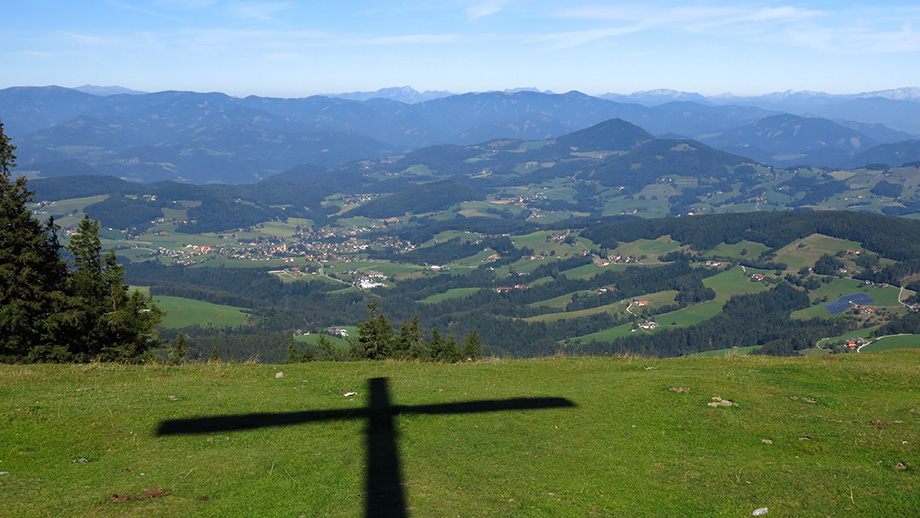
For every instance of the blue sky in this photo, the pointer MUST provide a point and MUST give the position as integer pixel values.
(295, 49)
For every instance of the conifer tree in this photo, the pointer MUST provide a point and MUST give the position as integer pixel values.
(375, 337)
(293, 354)
(472, 348)
(112, 325)
(179, 352)
(409, 342)
(32, 274)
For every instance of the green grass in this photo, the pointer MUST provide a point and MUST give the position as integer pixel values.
(814, 246)
(650, 248)
(453, 293)
(182, 312)
(720, 353)
(893, 342)
(734, 250)
(65, 207)
(838, 427)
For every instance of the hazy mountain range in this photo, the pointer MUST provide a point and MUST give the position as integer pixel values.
(212, 137)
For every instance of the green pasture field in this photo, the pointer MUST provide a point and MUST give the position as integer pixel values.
(650, 248)
(182, 312)
(447, 235)
(893, 342)
(341, 343)
(654, 299)
(822, 436)
(541, 244)
(70, 205)
(453, 293)
(816, 245)
(561, 301)
(177, 240)
(734, 250)
(616, 307)
(590, 270)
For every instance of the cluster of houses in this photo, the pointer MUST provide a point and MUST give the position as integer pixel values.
(506, 289)
(626, 259)
(369, 279)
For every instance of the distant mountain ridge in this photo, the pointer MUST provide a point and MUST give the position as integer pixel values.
(212, 137)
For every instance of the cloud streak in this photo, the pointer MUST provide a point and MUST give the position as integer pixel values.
(868, 31)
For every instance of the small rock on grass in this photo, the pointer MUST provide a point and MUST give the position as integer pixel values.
(760, 511)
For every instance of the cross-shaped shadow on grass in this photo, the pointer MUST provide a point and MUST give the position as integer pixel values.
(384, 494)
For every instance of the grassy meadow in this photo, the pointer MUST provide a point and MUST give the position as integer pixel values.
(817, 436)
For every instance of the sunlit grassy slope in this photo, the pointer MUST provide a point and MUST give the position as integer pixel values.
(819, 436)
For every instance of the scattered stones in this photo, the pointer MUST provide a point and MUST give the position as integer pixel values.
(279, 375)
(679, 389)
(760, 511)
(151, 493)
(80, 460)
(81, 389)
(173, 398)
(717, 402)
(767, 441)
(4, 472)
(350, 394)
(805, 437)
(202, 497)
(903, 465)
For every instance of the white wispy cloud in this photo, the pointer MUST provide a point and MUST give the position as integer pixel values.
(486, 9)
(868, 30)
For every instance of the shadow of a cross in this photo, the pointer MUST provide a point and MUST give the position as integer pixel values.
(384, 495)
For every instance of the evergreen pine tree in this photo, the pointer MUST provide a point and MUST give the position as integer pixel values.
(32, 274)
(111, 325)
(179, 352)
(472, 348)
(293, 355)
(409, 342)
(375, 337)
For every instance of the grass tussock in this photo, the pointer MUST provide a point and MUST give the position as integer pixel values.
(817, 436)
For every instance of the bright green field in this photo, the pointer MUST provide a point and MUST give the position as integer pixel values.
(453, 293)
(182, 312)
(64, 207)
(815, 246)
(893, 342)
(734, 250)
(839, 428)
(650, 248)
